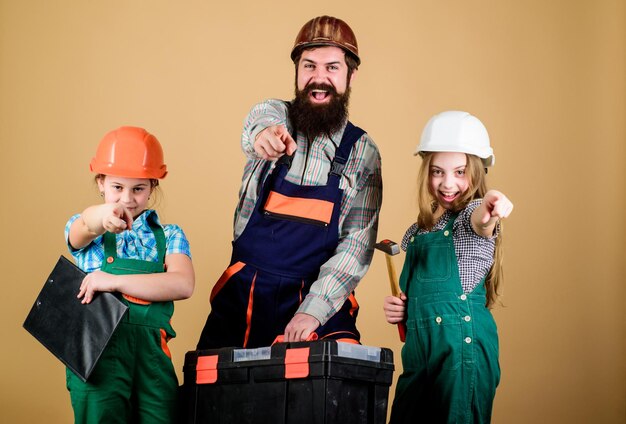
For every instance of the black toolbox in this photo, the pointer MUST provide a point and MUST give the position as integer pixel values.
(318, 382)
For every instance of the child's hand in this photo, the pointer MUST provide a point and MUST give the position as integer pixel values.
(395, 308)
(116, 218)
(97, 281)
(496, 206)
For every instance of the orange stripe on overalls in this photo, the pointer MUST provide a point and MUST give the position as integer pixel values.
(316, 209)
(230, 271)
(249, 312)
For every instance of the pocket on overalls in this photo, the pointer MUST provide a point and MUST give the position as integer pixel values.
(163, 341)
(489, 340)
(434, 262)
(441, 336)
(412, 352)
(227, 275)
(299, 209)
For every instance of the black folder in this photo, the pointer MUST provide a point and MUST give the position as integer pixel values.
(75, 333)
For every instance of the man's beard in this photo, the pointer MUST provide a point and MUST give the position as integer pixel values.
(316, 119)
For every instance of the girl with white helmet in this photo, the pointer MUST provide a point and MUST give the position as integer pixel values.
(126, 250)
(450, 279)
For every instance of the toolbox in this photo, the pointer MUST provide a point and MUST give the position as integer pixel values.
(317, 382)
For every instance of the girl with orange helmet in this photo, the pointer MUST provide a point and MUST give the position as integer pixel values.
(126, 250)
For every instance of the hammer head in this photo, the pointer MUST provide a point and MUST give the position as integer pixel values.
(388, 246)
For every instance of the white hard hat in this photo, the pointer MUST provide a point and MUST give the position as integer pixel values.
(457, 131)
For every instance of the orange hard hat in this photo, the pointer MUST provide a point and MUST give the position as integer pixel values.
(129, 152)
(326, 31)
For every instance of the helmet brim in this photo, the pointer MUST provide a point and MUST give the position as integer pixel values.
(488, 158)
(297, 50)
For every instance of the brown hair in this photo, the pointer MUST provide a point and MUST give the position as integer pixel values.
(476, 176)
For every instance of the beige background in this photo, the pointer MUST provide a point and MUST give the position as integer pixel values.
(546, 77)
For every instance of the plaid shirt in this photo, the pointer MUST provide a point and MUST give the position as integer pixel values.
(137, 243)
(361, 183)
(474, 253)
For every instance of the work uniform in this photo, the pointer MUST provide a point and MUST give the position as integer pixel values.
(134, 380)
(292, 231)
(361, 182)
(450, 356)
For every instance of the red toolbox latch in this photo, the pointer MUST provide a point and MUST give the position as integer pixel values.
(206, 369)
(297, 363)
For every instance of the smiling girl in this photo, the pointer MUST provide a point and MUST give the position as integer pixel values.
(124, 249)
(450, 279)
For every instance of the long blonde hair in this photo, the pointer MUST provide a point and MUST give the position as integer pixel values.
(477, 187)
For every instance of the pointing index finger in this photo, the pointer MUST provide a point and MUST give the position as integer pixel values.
(128, 218)
(285, 137)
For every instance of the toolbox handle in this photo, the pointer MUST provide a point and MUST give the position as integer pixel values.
(281, 338)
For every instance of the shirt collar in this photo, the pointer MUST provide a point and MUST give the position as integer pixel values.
(140, 224)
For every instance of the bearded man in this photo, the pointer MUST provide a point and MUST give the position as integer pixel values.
(307, 216)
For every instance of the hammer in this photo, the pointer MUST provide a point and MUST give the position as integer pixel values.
(391, 248)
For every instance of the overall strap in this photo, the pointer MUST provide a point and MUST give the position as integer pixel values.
(350, 136)
(110, 248)
(450, 223)
(159, 235)
(110, 245)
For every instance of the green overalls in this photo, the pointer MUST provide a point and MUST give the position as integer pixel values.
(450, 357)
(134, 380)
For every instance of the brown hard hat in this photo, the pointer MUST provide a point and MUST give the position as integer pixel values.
(326, 31)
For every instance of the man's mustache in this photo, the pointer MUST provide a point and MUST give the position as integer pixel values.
(320, 86)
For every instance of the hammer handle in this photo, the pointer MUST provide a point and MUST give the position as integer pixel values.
(393, 278)
(395, 290)
(402, 331)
